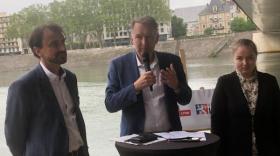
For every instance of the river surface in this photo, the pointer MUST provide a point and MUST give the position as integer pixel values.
(102, 126)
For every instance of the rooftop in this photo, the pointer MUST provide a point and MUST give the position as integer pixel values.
(221, 6)
(189, 14)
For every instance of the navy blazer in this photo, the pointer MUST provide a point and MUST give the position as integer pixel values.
(232, 121)
(121, 94)
(34, 124)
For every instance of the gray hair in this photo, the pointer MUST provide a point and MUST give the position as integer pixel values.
(147, 21)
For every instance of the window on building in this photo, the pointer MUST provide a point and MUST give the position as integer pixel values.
(215, 8)
(125, 33)
(161, 24)
(162, 30)
(121, 33)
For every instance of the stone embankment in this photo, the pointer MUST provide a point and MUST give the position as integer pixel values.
(194, 48)
(203, 47)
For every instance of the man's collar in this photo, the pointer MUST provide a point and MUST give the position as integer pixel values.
(152, 65)
(51, 75)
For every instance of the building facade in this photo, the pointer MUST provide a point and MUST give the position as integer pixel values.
(122, 36)
(8, 46)
(218, 15)
(190, 16)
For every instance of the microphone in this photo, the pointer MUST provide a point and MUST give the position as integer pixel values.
(146, 62)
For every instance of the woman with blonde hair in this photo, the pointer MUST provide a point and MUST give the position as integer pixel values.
(245, 107)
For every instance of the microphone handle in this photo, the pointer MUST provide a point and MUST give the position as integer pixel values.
(151, 87)
(147, 66)
(149, 69)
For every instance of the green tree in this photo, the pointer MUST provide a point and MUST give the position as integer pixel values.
(84, 20)
(62, 15)
(81, 20)
(251, 25)
(22, 24)
(113, 19)
(178, 27)
(208, 31)
(155, 8)
(119, 13)
(239, 24)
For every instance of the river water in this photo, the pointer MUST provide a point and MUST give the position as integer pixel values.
(103, 126)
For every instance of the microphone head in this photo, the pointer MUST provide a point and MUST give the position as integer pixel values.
(145, 58)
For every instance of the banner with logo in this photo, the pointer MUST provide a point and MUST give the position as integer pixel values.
(196, 115)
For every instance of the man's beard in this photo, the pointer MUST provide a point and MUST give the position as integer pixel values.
(60, 58)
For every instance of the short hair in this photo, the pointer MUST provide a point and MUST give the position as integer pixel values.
(36, 37)
(246, 43)
(147, 21)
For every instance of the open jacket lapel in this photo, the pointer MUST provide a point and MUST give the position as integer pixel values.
(133, 62)
(47, 92)
(163, 63)
(261, 93)
(70, 83)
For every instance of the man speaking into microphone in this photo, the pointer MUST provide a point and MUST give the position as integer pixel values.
(146, 85)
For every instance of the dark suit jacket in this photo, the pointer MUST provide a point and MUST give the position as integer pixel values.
(231, 119)
(121, 95)
(34, 124)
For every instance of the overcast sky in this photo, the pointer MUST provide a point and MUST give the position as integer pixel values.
(186, 3)
(11, 6)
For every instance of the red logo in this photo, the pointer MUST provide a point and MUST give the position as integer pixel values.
(186, 112)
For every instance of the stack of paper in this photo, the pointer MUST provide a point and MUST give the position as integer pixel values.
(174, 135)
(182, 134)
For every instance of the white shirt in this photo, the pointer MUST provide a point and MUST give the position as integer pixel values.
(66, 105)
(156, 119)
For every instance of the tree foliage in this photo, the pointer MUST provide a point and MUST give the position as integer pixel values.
(178, 27)
(23, 22)
(239, 24)
(84, 20)
(208, 31)
(119, 13)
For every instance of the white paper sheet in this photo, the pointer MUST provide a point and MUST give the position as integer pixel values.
(182, 134)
